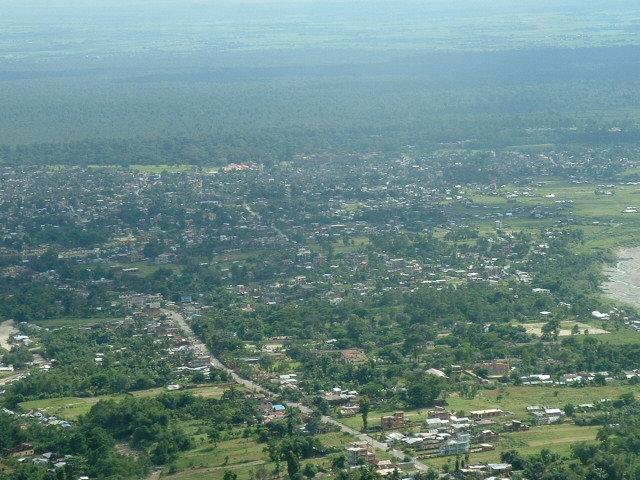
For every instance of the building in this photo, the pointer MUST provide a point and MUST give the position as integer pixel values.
(396, 420)
(547, 416)
(515, 426)
(499, 468)
(353, 355)
(487, 436)
(496, 367)
(482, 414)
(360, 452)
(459, 444)
(22, 450)
(349, 410)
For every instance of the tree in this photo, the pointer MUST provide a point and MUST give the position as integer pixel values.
(599, 380)
(229, 475)
(365, 408)
(214, 434)
(422, 392)
(293, 462)
(309, 470)
(514, 458)
(314, 424)
(339, 462)
(551, 329)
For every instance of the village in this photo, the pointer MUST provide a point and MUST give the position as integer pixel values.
(411, 326)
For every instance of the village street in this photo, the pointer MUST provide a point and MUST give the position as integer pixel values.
(179, 320)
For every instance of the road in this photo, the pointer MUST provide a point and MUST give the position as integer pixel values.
(179, 320)
(257, 216)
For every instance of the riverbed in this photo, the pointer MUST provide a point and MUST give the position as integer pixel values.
(7, 328)
(624, 279)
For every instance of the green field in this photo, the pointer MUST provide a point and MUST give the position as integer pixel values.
(70, 408)
(516, 399)
(557, 438)
(614, 227)
(148, 268)
(239, 455)
(511, 399)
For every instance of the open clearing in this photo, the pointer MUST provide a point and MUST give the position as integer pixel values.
(565, 328)
(70, 408)
(510, 399)
(624, 279)
(7, 328)
(557, 438)
(239, 455)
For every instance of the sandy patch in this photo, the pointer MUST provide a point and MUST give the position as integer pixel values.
(624, 279)
(565, 329)
(7, 328)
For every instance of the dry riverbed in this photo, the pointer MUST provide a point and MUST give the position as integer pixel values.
(624, 279)
(7, 328)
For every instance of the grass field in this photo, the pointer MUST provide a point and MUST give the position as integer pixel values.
(613, 227)
(239, 455)
(516, 399)
(147, 268)
(557, 438)
(510, 399)
(565, 328)
(621, 337)
(70, 408)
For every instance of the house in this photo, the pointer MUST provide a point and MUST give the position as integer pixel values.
(459, 444)
(359, 452)
(436, 423)
(515, 426)
(487, 436)
(496, 367)
(349, 410)
(393, 421)
(440, 413)
(499, 468)
(353, 355)
(22, 450)
(547, 416)
(482, 414)
(436, 373)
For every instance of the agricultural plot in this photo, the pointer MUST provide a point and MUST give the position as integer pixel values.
(70, 408)
(565, 329)
(557, 438)
(241, 455)
(513, 400)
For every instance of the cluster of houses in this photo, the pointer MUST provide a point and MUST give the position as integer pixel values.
(569, 378)
(361, 453)
(445, 433)
(25, 452)
(44, 419)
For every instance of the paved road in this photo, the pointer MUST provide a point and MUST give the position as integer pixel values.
(202, 348)
(257, 216)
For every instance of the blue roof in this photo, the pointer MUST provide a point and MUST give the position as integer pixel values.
(279, 407)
